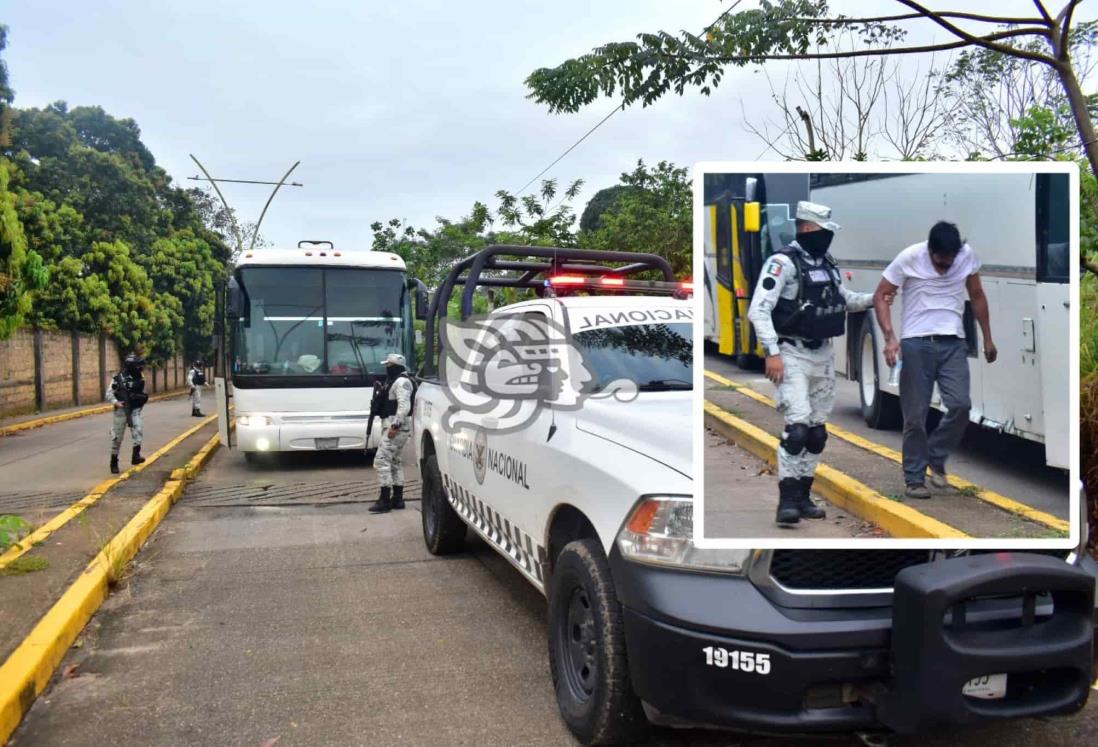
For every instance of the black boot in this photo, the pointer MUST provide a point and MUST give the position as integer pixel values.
(195, 413)
(114, 464)
(807, 508)
(136, 457)
(398, 497)
(382, 504)
(787, 501)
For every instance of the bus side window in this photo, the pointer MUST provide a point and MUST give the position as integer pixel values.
(1053, 230)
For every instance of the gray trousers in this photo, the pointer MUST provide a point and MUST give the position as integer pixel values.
(118, 428)
(389, 459)
(806, 395)
(926, 362)
(196, 397)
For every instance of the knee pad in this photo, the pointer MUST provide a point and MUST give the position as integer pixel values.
(794, 438)
(817, 437)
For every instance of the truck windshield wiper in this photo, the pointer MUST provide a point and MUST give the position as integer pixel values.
(665, 385)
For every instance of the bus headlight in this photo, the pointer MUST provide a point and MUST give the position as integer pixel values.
(660, 531)
(249, 420)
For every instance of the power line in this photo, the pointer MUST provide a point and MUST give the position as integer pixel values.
(612, 112)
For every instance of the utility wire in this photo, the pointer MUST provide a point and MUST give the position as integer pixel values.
(617, 108)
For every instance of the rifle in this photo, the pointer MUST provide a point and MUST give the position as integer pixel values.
(122, 393)
(375, 406)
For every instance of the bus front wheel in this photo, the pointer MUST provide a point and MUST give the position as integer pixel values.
(881, 410)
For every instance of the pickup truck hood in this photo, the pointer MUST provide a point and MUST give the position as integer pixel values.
(655, 424)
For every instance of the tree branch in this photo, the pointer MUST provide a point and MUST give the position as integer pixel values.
(982, 41)
(913, 16)
(885, 51)
(1065, 27)
(1043, 11)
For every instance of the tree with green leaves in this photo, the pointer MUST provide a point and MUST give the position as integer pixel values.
(643, 71)
(652, 213)
(21, 269)
(539, 220)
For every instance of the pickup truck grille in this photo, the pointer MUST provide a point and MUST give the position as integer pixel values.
(842, 569)
(853, 569)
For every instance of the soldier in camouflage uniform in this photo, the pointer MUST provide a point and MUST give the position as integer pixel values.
(799, 305)
(127, 393)
(397, 415)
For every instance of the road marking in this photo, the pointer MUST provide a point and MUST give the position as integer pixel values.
(988, 496)
(43, 532)
(27, 671)
(897, 519)
(27, 425)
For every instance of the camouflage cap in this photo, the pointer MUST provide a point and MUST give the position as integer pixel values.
(814, 212)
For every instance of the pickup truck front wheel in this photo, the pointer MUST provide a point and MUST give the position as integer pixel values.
(443, 529)
(587, 649)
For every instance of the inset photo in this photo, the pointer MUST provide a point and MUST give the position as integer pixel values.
(890, 355)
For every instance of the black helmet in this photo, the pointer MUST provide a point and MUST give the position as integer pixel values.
(133, 362)
(198, 363)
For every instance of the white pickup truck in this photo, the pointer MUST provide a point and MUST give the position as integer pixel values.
(559, 429)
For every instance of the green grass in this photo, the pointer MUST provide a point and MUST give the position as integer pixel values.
(972, 491)
(12, 529)
(25, 564)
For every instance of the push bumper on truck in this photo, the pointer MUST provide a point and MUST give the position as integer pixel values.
(898, 667)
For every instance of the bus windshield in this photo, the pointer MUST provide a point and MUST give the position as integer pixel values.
(314, 321)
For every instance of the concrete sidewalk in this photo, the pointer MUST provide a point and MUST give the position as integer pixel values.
(741, 498)
(966, 513)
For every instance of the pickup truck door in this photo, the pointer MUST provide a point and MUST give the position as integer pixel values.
(497, 468)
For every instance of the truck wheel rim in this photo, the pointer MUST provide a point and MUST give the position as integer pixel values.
(868, 374)
(578, 644)
(428, 506)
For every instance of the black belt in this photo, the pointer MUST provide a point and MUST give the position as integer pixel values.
(809, 344)
(938, 338)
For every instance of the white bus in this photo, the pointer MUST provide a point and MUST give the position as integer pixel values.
(1018, 225)
(309, 328)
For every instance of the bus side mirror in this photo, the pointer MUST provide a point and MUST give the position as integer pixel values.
(234, 303)
(750, 188)
(422, 300)
(752, 217)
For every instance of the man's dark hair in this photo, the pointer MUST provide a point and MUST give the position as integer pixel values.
(944, 239)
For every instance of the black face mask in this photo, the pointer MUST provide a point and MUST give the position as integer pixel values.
(391, 372)
(816, 243)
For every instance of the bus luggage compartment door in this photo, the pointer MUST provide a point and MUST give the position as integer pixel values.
(1033, 624)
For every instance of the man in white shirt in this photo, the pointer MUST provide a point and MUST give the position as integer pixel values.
(934, 276)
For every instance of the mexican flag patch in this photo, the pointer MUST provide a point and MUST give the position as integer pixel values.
(775, 269)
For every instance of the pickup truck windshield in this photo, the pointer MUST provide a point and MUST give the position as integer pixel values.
(658, 357)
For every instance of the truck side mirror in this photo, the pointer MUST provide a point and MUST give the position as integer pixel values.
(234, 303)
(422, 300)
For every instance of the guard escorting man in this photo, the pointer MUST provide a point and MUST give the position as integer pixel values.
(799, 305)
(196, 378)
(396, 413)
(127, 393)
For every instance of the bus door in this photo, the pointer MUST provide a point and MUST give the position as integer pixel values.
(1054, 270)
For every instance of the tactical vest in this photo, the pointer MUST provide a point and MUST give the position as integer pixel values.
(819, 310)
(388, 404)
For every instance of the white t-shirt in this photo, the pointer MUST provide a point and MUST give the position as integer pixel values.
(934, 304)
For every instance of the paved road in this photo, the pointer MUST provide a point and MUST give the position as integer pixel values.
(742, 499)
(270, 604)
(46, 469)
(1006, 464)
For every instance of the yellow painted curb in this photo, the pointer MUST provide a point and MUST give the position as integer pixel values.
(28, 670)
(43, 532)
(27, 425)
(840, 489)
(988, 496)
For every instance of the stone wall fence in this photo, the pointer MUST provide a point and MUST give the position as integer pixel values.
(49, 369)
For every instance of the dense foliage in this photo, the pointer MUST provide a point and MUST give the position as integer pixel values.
(95, 237)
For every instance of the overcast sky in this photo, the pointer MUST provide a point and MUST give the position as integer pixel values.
(406, 109)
